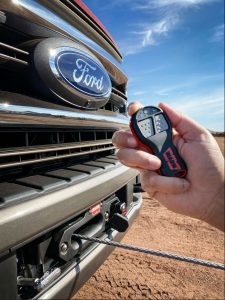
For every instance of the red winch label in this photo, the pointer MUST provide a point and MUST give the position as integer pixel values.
(171, 159)
(94, 210)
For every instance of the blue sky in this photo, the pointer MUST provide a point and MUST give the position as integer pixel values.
(173, 52)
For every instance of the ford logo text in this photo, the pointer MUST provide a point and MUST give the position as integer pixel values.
(83, 73)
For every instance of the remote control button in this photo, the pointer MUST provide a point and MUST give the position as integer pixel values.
(160, 123)
(146, 127)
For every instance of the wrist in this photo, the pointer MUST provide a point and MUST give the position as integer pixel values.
(215, 216)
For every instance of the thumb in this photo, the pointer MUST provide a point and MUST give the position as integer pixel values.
(185, 126)
(133, 107)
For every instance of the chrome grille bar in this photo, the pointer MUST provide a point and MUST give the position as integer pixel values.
(21, 160)
(61, 117)
(8, 58)
(10, 53)
(56, 157)
(50, 148)
(119, 93)
(14, 49)
(118, 97)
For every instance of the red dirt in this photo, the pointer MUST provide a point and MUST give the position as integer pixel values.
(131, 275)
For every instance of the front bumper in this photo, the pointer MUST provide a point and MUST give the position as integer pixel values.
(30, 219)
(78, 273)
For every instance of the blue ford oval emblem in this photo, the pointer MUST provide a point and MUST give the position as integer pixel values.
(83, 73)
(70, 73)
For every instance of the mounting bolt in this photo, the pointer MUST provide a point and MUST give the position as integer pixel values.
(63, 247)
(106, 216)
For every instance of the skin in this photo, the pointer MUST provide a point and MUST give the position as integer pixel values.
(201, 194)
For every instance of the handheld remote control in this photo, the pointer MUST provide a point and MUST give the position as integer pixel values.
(152, 129)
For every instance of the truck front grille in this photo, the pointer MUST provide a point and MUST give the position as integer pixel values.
(40, 132)
(26, 150)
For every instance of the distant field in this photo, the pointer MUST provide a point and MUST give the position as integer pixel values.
(220, 140)
(218, 133)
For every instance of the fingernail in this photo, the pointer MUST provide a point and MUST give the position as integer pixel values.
(114, 137)
(133, 107)
(185, 185)
(154, 163)
(132, 142)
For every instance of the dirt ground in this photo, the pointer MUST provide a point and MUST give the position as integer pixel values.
(131, 275)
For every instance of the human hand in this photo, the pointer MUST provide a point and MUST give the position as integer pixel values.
(201, 193)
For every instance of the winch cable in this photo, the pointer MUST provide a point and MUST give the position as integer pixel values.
(169, 255)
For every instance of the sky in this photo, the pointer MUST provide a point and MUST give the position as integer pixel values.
(173, 52)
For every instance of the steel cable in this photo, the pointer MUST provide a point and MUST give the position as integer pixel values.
(169, 255)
